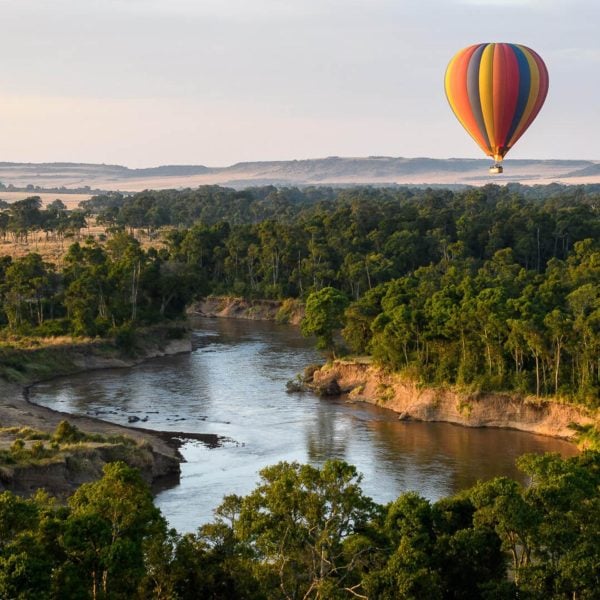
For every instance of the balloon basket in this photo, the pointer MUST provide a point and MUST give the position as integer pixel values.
(496, 170)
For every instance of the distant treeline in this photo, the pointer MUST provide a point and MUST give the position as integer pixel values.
(99, 290)
(307, 532)
(494, 288)
(212, 203)
(40, 189)
(21, 218)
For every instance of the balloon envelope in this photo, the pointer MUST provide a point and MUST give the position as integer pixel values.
(496, 91)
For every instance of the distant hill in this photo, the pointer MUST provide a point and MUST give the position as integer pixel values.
(374, 170)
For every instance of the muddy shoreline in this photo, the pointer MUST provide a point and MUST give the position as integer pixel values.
(159, 450)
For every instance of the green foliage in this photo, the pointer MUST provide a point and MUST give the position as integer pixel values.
(67, 433)
(289, 307)
(125, 338)
(489, 289)
(105, 531)
(324, 315)
(308, 532)
(489, 328)
(587, 436)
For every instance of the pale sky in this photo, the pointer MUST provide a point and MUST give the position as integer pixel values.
(214, 82)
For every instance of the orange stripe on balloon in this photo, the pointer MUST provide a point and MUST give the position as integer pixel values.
(458, 96)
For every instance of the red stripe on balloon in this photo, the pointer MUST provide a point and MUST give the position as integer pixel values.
(505, 94)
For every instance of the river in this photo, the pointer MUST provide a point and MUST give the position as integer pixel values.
(233, 384)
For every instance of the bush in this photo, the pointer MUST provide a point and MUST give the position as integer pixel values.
(124, 337)
(52, 328)
(66, 433)
(17, 446)
(38, 450)
(287, 309)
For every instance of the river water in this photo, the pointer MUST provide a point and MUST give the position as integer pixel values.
(233, 384)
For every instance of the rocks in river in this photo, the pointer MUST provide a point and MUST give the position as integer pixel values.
(133, 419)
(328, 387)
(323, 387)
(295, 385)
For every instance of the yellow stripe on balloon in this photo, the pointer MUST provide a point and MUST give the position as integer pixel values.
(486, 90)
(534, 90)
(448, 86)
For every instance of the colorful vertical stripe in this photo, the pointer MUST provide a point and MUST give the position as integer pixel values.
(496, 91)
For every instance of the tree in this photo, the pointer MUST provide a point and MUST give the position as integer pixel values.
(298, 523)
(27, 290)
(105, 532)
(324, 315)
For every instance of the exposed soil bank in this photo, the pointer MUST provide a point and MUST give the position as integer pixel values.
(368, 383)
(285, 311)
(156, 453)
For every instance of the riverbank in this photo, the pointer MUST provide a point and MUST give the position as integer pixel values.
(367, 383)
(283, 311)
(154, 453)
(364, 382)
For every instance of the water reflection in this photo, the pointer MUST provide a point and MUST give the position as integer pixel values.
(233, 384)
(327, 437)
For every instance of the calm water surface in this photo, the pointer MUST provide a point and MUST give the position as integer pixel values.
(233, 384)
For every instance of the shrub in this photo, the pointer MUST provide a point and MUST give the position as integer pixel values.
(38, 450)
(124, 337)
(17, 446)
(67, 433)
(53, 328)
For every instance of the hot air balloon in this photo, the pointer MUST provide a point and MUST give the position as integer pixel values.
(496, 91)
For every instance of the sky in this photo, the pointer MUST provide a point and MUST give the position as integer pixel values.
(215, 82)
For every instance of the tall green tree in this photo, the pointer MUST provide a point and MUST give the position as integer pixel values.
(324, 315)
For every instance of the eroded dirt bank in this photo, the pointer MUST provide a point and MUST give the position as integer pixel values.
(285, 311)
(368, 383)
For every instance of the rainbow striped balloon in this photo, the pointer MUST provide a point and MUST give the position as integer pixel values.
(496, 91)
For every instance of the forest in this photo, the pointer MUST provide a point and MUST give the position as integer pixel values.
(493, 288)
(308, 532)
(496, 288)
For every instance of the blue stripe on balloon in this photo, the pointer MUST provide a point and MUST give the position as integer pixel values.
(473, 91)
(524, 88)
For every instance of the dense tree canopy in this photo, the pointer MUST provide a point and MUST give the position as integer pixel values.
(493, 288)
(488, 289)
(308, 532)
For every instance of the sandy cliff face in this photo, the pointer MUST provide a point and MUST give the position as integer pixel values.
(64, 473)
(289, 311)
(371, 384)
